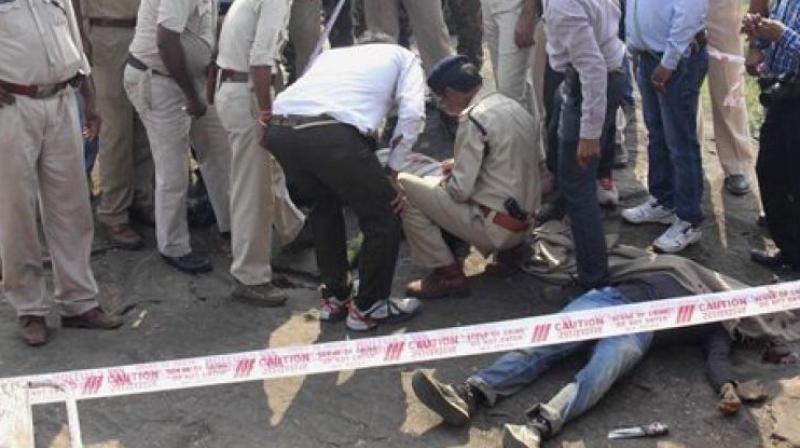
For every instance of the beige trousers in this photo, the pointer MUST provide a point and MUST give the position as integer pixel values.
(536, 74)
(509, 62)
(432, 209)
(259, 197)
(43, 164)
(304, 30)
(124, 162)
(731, 125)
(171, 131)
(427, 23)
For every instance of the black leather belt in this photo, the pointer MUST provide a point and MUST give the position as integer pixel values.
(139, 65)
(295, 121)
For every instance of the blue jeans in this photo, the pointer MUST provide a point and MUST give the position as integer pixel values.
(90, 147)
(579, 185)
(610, 359)
(675, 175)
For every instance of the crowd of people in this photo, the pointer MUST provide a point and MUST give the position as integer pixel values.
(162, 83)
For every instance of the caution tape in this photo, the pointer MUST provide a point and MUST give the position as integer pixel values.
(410, 347)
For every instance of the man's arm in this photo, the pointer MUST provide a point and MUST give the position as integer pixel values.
(759, 7)
(587, 59)
(689, 17)
(92, 120)
(265, 52)
(526, 23)
(171, 51)
(460, 185)
(410, 99)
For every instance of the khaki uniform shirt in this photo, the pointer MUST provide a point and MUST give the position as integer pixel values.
(253, 33)
(195, 20)
(40, 42)
(111, 9)
(495, 155)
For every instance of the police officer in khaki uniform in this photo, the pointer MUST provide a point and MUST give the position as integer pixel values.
(490, 190)
(124, 161)
(165, 76)
(731, 124)
(427, 23)
(249, 48)
(41, 59)
(509, 28)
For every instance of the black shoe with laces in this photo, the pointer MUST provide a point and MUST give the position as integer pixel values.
(190, 263)
(456, 404)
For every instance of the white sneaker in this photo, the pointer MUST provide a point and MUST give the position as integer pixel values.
(388, 311)
(334, 309)
(678, 237)
(649, 212)
(607, 192)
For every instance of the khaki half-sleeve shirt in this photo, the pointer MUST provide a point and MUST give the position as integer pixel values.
(40, 42)
(195, 20)
(253, 34)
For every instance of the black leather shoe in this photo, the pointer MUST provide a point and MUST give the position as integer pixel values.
(190, 263)
(737, 185)
(772, 260)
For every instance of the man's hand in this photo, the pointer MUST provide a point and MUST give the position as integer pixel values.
(588, 150)
(447, 167)
(92, 122)
(523, 32)
(750, 24)
(264, 117)
(771, 30)
(753, 61)
(195, 107)
(661, 78)
(6, 99)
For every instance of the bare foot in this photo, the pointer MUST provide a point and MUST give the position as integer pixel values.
(729, 402)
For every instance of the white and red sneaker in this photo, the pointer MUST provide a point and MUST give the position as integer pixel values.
(334, 308)
(389, 311)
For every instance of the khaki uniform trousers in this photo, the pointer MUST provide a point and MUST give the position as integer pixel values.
(509, 62)
(427, 23)
(431, 209)
(731, 124)
(259, 197)
(159, 101)
(43, 164)
(304, 30)
(538, 66)
(125, 165)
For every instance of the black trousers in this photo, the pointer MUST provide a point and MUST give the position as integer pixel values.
(333, 165)
(778, 169)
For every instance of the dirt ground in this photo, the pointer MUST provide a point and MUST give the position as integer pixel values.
(171, 315)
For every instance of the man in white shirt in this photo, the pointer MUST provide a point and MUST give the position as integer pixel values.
(583, 44)
(165, 76)
(322, 133)
(249, 48)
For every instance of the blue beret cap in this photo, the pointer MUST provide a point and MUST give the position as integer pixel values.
(449, 73)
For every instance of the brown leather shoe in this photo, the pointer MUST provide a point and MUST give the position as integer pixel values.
(124, 237)
(95, 318)
(33, 330)
(144, 215)
(442, 282)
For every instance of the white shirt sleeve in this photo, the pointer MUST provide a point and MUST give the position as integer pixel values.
(574, 29)
(271, 23)
(174, 14)
(410, 98)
